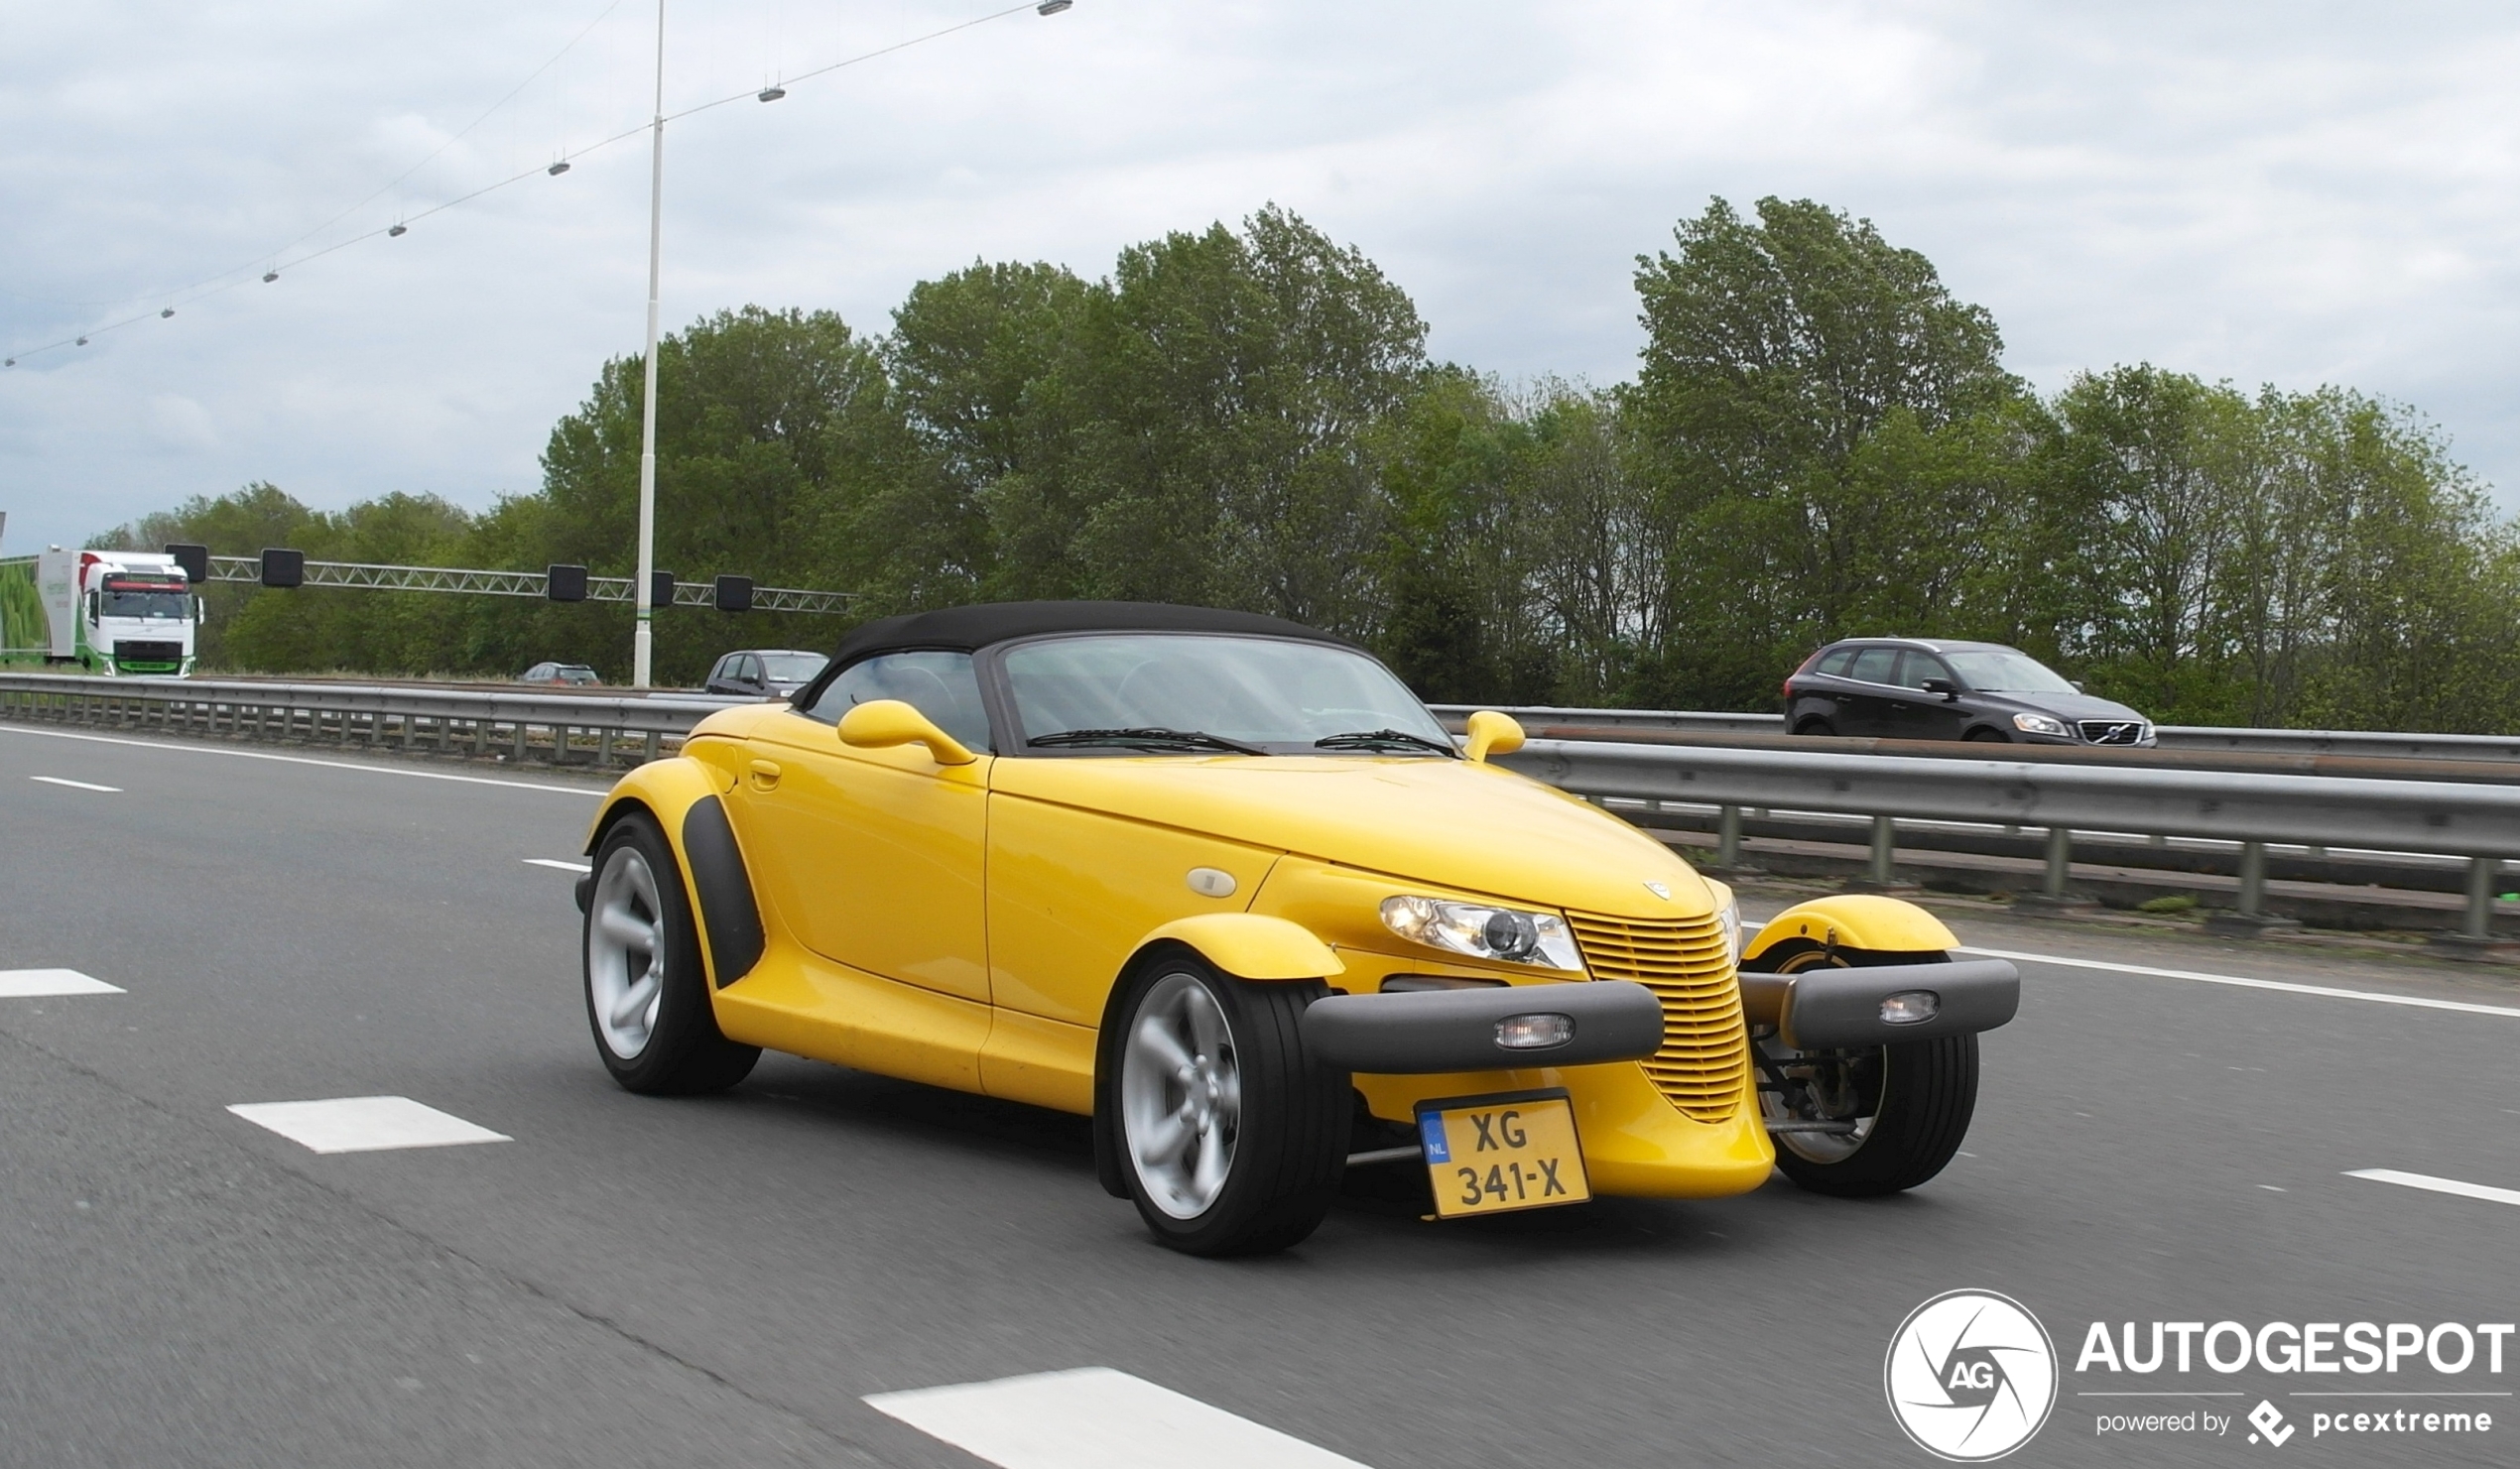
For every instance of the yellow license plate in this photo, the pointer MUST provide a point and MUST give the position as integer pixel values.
(1495, 1154)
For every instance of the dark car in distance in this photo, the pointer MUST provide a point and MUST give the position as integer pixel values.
(1917, 688)
(567, 675)
(763, 672)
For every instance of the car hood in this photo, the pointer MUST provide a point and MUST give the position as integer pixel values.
(1448, 823)
(2065, 705)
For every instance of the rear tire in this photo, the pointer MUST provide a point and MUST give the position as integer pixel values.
(1910, 1104)
(1228, 1138)
(647, 991)
(1815, 727)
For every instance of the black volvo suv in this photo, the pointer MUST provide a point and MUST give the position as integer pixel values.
(1913, 688)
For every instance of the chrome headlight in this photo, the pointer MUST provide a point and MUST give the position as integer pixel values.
(2045, 724)
(1729, 918)
(1484, 933)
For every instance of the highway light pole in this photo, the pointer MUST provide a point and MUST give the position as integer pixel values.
(642, 641)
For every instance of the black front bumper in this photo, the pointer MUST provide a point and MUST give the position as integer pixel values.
(1429, 1031)
(1841, 1009)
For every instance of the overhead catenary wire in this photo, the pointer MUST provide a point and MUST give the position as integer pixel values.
(229, 280)
(458, 136)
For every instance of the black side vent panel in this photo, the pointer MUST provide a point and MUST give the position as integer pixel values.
(727, 909)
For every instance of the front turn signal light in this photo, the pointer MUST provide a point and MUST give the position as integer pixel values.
(1534, 1032)
(1910, 1007)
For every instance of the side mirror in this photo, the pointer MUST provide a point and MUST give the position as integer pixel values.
(1492, 733)
(2077, 686)
(1943, 687)
(882, 724)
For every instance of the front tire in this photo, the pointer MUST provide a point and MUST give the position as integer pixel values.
(647, 991)
(1231, 1139)
(1890, 1116)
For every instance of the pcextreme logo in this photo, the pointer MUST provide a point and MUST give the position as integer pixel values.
(1970, 1376)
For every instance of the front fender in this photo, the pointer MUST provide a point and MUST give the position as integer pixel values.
(1250, 946)
(1864, 921)
(682, 795)
(666, 788)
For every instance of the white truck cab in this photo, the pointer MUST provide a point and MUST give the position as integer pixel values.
(118, 612)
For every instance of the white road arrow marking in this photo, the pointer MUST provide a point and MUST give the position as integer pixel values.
(33, 984)
(1094, 1417)
(364, 1124)
(2431, 1184)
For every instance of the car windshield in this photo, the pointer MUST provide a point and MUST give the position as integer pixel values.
(153, 602)
(2006, 671)
(1276, 694)
(791, 668)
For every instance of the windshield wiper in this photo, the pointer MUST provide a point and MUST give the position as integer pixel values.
(1381, 739)
(1190, 739)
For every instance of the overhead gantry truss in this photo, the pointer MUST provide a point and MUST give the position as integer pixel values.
(278, 567)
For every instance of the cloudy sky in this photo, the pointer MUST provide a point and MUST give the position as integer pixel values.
(2289, 193)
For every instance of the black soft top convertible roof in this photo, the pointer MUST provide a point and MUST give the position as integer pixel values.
(971, 628)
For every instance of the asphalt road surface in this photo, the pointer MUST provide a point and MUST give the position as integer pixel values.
(634, 1281)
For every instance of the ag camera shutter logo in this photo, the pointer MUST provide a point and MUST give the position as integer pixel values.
(1970, 1376)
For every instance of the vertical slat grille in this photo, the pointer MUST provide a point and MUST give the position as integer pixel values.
(1705, 1059)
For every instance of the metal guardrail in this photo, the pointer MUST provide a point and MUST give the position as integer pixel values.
(2377, 744)
(2474, 821)
(1707, 721)
(596, 732)
(2479, 822)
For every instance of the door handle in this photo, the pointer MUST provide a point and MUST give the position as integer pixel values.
(765, 775)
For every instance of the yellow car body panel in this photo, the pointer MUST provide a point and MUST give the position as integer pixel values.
(1046, 1062)
(1474, 828)
(1862, 921)
(880, 853)
(1073, 891)
(796, 1001)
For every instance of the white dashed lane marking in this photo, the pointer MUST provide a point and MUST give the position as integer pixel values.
(557, 862)
(2431, 1184)
(1097, 1418)
(30, 984)
(77, 785)
(179, 748)
(2324, 992)
(364, 1124)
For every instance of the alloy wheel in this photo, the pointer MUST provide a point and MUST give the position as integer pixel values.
(625, 953)
(1180, 1096)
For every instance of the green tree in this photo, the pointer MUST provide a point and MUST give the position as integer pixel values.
(1777, 352)
(1450, 570)
(2154, 474)
(986, 365)
(1821, 440)
(773, 430)
(1231, 381)
(2374, 589)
